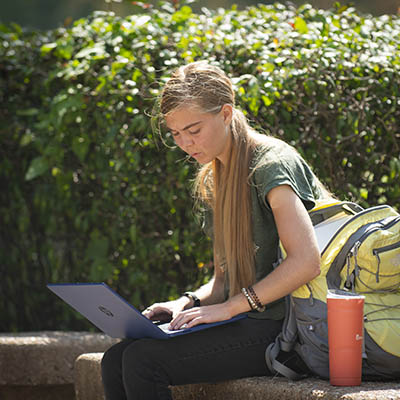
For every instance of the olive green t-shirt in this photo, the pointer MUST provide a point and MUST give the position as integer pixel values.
(274, 163)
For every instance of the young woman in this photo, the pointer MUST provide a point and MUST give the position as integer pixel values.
(258, 191)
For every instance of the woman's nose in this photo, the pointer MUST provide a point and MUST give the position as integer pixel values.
(187, 140)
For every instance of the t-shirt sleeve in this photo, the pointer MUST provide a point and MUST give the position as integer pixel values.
(286, 169)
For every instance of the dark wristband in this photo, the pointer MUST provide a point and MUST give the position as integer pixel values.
(193, 297)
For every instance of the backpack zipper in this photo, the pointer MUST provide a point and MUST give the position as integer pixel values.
(386, 248)
(376, 253)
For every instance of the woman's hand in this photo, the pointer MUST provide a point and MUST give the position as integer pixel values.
(166, 311)
(201, 315)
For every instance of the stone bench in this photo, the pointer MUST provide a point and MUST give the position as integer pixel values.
(88, 386)
(39, 365)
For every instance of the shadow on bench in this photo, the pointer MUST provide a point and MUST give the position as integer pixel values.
(88, 386)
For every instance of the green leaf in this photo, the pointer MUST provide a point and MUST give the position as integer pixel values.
(266, 100)
(46, 48)
(142, 20)
(29, 112)
(38, 166)
(300, 25)
(80, 146)
(133, 233)
(26, 139)
(364, 193)
(97, 50)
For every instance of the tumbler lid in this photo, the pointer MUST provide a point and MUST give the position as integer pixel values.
(343, 294)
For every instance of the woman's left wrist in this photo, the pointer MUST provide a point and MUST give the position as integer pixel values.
(235, 305)
(193, 298)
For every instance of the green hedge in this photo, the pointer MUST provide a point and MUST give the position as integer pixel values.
(89, 194)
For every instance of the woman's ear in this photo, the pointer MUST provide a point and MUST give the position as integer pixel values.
(227, 113)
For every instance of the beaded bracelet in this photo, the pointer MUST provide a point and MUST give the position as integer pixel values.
(249, 299)
(259, 307)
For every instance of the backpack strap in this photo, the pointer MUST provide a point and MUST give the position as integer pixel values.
(321, 213)
(285, 341)
(275, 366)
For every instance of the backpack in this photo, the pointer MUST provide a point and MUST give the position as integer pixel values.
(360, 253)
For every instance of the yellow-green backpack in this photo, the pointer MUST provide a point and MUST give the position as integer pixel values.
(360, 253)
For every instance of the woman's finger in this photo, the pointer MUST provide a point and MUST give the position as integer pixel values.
(157, 310)
(183, 319)
(147, 312)
(195, 321)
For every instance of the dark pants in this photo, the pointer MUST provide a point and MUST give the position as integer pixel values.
(143, 369)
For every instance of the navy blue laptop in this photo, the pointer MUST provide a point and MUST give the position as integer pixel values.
(113, 315)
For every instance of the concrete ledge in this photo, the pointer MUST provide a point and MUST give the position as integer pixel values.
(39, 365)
(88, 386)
(262, 388)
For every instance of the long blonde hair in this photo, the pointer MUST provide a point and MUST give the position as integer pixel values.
(223, 188)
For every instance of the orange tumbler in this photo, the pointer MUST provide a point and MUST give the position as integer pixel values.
(345, 337)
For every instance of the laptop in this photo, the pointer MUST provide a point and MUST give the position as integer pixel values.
(113, 315)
